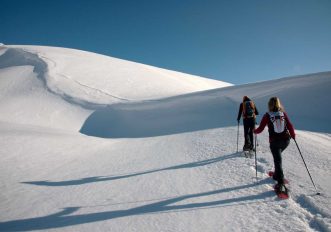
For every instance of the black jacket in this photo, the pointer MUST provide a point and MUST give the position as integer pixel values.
(256, 112)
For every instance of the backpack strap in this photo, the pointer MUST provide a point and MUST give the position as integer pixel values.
(277, 123)
(251, 103)
(253, 107)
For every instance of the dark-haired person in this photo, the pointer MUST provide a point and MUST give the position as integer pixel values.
(248, 111)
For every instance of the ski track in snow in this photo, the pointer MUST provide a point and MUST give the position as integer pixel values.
(195, 181)
(103, 93)
(84, 86)
(88, 90)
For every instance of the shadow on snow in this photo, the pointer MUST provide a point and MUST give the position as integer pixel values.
(101, 178)
(64, 219)
(164, 117)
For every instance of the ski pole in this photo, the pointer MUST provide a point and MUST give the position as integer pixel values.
(317, 193)
(255, 156)
(257, 142)
(238, 138)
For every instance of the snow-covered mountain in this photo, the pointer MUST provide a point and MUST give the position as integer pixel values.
(61, 83)
(93, 143)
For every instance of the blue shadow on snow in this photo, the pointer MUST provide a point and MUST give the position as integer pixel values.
(110, 178)
(164, 117)
(64, 219)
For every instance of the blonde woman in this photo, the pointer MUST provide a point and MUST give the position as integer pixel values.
(280, 132)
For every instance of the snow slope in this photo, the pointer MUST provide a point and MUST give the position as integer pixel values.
(160, 154)
(83, 80)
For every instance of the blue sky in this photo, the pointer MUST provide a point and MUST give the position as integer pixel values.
(234, 41)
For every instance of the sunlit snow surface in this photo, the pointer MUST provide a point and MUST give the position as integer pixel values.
(93, 143)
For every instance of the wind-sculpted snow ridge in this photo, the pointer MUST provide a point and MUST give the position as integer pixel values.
(101, 80)
(305, 99)
(26, 98)
(83, 81)
(20, 57)
(121, 93)
(174, 115)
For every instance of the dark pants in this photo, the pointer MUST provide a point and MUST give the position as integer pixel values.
(249, 126)
(277, 147)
